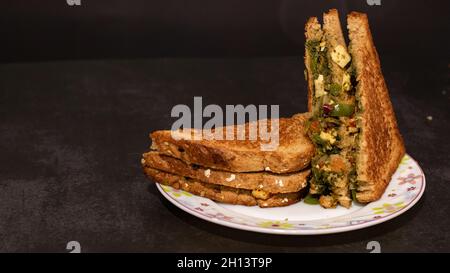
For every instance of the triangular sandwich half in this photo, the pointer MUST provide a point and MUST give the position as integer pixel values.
(353, 126)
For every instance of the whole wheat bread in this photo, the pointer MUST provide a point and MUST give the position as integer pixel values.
(313, 31)
(334, 37)
(293, 153)
(220, 193)
(380, 143)
(266, 181)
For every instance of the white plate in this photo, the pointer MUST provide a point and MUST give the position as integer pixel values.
(404, 190)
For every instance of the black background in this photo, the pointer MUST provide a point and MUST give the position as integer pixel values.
(48, 30)
(81, 87)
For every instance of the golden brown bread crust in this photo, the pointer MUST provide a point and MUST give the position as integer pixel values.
(293, 153)
(219, 193)
(313, 31)
(266, 181)
(334, 37)
(381, 145)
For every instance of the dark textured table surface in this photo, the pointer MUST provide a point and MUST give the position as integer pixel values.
(72, 133)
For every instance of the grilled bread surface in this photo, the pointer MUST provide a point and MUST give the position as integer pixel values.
(293, 153)
(380, 143)
(313, 31)
(221, 193)
(334, 37)
(265, 181)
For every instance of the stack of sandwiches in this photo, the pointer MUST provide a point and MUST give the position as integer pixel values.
(235, 171)
(345, 149)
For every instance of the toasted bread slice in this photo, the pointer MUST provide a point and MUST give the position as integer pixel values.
(380, 143)
(220, 193)
(364, 139)
(265, 181)
(293, 153)
(334, 37)
(313, 32)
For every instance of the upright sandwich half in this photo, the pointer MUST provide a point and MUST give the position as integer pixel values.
(353, 125)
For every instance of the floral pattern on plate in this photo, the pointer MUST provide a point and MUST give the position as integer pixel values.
(405, 189)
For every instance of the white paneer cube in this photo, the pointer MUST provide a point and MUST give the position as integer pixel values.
(340, 56)
(319, 86)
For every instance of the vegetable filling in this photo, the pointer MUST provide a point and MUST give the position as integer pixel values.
(333, 125)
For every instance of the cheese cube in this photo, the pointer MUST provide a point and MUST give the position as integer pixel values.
(340, 56)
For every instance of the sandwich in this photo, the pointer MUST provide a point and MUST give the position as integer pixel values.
(224, 194)
(255, 181)
(352, 124)
(293, 152)
(235, 171)
(347, 147)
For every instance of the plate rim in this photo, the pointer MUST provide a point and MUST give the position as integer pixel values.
(297, 231)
